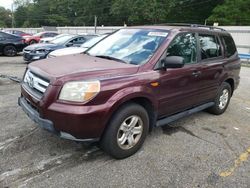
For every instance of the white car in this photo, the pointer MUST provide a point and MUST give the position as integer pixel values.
(49, 39)
(76, 50)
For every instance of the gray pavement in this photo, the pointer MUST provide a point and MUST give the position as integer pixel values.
(203, 151)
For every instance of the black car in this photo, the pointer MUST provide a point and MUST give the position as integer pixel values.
(40, 51)
(10, 44)
(17, 32)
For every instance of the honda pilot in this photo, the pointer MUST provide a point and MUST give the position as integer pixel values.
(134, 80)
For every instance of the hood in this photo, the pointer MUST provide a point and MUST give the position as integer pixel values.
(81, 66)
(68, 51)
(47, 39)
(46, 46)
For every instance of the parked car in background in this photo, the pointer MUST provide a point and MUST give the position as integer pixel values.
(16, 32)
(76, 50)
(130, 82)
(10, 44)
(40, 51)
(37, 37)
(48, 39)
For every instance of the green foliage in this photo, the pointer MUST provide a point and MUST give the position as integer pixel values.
(36, 13)
(5, 17)
(192, 11)
(232, 12)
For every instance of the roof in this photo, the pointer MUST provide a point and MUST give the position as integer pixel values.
(184, 27)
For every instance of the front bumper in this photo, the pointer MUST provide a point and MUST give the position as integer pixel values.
(29, 56)
(47, 124)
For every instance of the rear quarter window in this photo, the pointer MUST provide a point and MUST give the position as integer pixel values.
(230, 48)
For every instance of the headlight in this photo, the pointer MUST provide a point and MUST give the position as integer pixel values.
(40, 51)
(80, 91)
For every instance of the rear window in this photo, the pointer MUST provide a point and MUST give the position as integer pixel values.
(230, 48)
(210, 46)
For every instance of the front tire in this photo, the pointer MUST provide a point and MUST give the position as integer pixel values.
(222, 100)
(126, 132)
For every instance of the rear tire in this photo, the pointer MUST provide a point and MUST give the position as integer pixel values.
(222, 100)
(10, 51)
(126, 131)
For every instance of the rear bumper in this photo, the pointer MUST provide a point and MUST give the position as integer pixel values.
(47, 124)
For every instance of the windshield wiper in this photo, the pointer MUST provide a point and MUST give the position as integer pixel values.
(111, 58)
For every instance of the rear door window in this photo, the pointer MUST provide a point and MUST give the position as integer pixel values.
(209, 46)
(230, 48)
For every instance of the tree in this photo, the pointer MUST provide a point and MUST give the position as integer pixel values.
(5, 17)
(36, 13)
(192, 11)
(232, 12)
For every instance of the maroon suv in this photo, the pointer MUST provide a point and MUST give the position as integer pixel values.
(133, 80)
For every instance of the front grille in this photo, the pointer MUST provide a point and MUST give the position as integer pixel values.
(35, 82)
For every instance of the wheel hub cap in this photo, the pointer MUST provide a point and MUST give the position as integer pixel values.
(130, 132)
(224, 99)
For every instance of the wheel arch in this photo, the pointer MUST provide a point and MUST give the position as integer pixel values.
(9, 44)
(143, 100)
(230, 81)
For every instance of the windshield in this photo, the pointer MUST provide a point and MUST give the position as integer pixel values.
(59, 36)
(38, 34)
(92, 42)
(61, 40)
(134, 46)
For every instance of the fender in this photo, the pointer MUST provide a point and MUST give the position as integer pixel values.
(128, 94)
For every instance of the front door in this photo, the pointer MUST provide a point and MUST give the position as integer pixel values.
(179, 87)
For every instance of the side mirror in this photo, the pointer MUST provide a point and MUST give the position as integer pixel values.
(173, 62)
(69, 44)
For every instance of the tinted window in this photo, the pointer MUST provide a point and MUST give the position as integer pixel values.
(46, 35)
(210, 46)
(78, 41)
(184, 45)
(53, 34)
(230, 47)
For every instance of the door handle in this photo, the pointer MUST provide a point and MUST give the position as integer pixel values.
(196, 73)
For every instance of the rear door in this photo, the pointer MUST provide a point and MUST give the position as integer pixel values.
(212, 61)
(179, 87)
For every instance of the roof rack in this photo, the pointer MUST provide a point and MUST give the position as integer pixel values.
(193, 25)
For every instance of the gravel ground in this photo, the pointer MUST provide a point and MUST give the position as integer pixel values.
(203, 151)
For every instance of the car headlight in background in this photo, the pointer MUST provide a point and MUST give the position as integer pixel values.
(80, 91)
(40, 51)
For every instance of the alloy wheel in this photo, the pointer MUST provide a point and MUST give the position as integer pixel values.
(130, 132)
